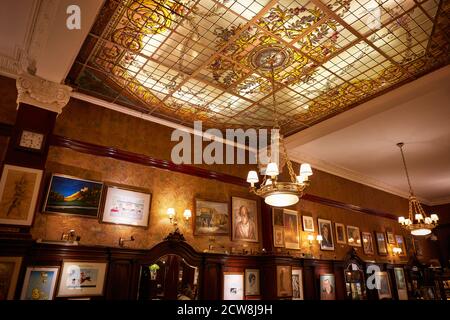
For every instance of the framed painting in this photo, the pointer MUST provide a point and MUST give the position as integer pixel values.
(390, 237)
(297, 284)
(308, 223)
(126, 205)
(39, 283)
(353, 236)
(401, 244)
(326, 231)
(368, 243)
(340, 233)
(73, 196)
(19, 188)
(82, 278)
(211, 218)
(244, 219)
(9, 273)
(384, 290)
(401, 284)
(291, 232)
(327, 287)
(284, 281)
(233, 286)
(278, 227)
(252, 283)
(381, 243)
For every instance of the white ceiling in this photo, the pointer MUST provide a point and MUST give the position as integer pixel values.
(360, 144)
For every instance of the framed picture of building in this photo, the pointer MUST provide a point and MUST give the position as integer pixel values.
(211, 218)
(284, 281)
(126, 205)
(327, 287)
(233, 286)
(82, 278)
(9, 273)
(291, 232)
(39, 283)
(252, 284)
(244, 219)
(326, 231)
(19, 188)
(73, 196)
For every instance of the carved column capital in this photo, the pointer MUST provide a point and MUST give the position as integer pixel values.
(42, 93)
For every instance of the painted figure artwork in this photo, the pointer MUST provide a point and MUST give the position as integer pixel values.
(82, 279)
(284, 281)
(211, 218)
(291, 232)
(326, 232)
(70, 195)
(327, 287)
(297, 284)
(340, 233)
(245, 219)
(39, 283)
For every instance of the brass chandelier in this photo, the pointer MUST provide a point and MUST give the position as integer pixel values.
(279, 193)
(418, 223)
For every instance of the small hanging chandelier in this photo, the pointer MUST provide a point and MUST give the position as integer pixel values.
(418, 223)
(277, 193)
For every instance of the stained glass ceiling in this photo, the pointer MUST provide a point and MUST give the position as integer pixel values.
(207, 59)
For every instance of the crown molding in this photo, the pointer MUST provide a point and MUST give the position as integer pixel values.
(440, 201)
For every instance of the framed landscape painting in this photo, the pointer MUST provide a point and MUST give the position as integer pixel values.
(39, 283)
(73, 196)
(211, 218)
(82, 278)
(9, 273)
(244, 219)
(125, 205)
(19, 188)
(291, 232)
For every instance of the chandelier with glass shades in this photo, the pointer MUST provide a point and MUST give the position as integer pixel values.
(418, 223)
(280, 193)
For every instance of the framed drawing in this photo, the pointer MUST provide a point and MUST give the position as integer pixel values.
(278, 227)
(401, 284)
(19, 188)
(401, 244)
(73, 196)
(244, 219)
(327, 287)
(308, 223)
(326, 231)
(353, 236)
(297, 284)
(390, 237)
(233, 286)
(381, 243)
(82, 278)
(252, 284)
(291, 232)
(211, 218)
(284, 281)
(9, 273)
(367, 243)
(384, 292)
(39, 283)
(340, 233)
(125, 205)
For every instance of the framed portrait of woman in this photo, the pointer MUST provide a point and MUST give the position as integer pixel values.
(326, 231)
(252, 282)
(244, 219)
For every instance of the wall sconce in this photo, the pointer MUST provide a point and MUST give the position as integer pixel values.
(187, 214)
(396, 251)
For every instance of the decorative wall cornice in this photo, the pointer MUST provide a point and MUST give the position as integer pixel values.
(41, 93)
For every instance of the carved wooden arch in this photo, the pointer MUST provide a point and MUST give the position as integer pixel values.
(352, 257)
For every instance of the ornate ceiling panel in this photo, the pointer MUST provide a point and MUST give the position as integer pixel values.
(187, 60)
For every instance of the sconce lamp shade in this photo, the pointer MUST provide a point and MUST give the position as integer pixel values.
(401, 220)
(310, 237)
(187, 214)
(319, 237)
(171, 212)
(434, 217)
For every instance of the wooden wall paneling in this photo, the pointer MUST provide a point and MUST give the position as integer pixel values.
(212, 278)
(309, 280)
(338, 270)
(267, 227)
(119, 280)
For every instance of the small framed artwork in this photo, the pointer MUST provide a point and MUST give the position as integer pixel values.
(244, 219)
(19, 188)
(384, 291)
(252, 286)
(390, 237)
(233, 286)
(401, 244)
(368, 243)
(291, 232)
(73, 196)
(126, 205)
(211, 218)
(327, 287)
(381, 243)
(9, 273)
(278, 228)
(401, 284)
(82, 278)
(39, 283)
(308, 223)
(353, 236)
(284, 281)
(326, 231)
(297, 284)
(340, 233)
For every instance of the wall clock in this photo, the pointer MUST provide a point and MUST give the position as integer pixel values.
(31, 141)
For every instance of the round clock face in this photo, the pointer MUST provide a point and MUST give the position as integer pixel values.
(31, 140)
